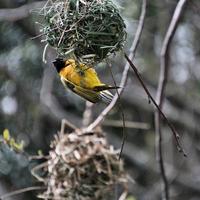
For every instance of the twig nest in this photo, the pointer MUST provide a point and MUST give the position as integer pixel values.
(90, 29)
(83, 167)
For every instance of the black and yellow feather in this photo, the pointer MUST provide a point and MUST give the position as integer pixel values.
(83, 81)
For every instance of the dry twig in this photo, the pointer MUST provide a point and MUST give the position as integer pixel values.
(74, 160)
(176, 135)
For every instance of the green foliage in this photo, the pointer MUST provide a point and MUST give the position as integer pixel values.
(10, 141)
(13, 160)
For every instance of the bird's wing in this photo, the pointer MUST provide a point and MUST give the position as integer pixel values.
(99, 88)
(87, 94)
(90, 95)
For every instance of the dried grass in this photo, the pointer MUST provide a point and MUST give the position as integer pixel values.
(82, 167)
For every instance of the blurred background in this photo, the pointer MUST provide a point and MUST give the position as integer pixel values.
(33, 101)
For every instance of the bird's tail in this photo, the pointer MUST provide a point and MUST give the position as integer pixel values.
(106, 96)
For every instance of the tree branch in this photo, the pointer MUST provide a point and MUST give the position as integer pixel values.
(87, 115)
(14, 14)
(164, 68)
(133, 48)
(176, 136)
(129, 124)
(20, 191)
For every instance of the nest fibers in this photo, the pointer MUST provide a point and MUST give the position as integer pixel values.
(90, 29)
(83, 167)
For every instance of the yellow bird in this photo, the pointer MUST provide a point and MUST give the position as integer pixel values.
(83, 81)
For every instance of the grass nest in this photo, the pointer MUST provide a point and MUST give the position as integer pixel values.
(90, 29)
(82, 167)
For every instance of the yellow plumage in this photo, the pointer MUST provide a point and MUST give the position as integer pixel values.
(83, 80)
(80, 75)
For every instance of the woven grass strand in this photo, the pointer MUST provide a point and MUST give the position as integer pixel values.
(91, 27)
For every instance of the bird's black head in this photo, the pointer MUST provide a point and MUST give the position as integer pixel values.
(59, 63)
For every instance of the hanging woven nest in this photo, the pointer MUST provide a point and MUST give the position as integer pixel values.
(90, 29)
(83, 167)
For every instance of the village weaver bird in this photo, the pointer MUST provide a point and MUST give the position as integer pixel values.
(83, 81)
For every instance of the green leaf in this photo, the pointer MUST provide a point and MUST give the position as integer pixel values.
(6, 135)
(11, 141)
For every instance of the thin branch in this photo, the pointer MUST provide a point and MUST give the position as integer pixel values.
(36, 168)
(68, 124)
(176, 135)
(165, 51)
(87, 115)
(122, 112)
(14, 14)
(133, 48)
(164, 68)
(20, 191)
(129, 124)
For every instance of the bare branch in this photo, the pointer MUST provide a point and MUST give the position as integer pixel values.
(100, 118)
(20, 191)
(164, 68)
(68, 124)
(14, 14)
(129, 124)
(36, 168)
(176, 136)
(165, 51)
(87, 115)
(121, 110)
